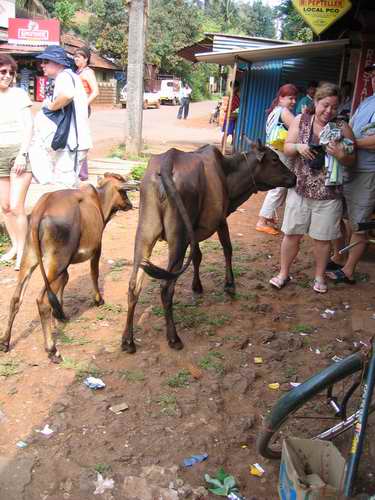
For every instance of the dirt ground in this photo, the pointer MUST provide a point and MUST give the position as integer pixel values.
(208, 398)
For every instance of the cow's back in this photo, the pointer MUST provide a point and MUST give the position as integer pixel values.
(199, 179)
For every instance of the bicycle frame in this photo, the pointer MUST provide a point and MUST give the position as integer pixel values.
(360, 427)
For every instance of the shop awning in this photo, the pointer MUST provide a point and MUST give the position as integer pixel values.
(23, 50)
(311, 49)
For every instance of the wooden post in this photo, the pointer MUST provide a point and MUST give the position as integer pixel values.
(232, 80)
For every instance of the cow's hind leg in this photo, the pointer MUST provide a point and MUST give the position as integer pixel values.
(94, 267)
(177, 250)
(224, 237)
(144, 243)
(46, 318)
(16, 301)
(197, 259)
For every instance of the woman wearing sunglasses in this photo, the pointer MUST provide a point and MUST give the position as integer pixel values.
(15, 172)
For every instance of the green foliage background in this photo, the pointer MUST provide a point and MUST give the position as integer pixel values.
(174, 24)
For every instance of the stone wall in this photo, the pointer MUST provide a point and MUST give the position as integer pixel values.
(107, 93)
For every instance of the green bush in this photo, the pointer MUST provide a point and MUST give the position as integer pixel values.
(138, 171)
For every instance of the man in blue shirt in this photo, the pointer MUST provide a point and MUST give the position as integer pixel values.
(308, 100)
(359, 191)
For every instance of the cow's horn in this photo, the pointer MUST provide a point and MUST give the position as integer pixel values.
(131, 185)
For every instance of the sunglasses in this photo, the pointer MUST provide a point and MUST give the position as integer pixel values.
(45, 61)
(4, 72)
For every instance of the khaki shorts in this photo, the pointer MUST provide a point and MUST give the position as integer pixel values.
(7, 156)
(359, 196)
(320, 219)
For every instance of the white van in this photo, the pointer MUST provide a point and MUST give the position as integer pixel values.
(170, 91)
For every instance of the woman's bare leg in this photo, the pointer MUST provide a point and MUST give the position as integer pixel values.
(8, 217)
(19, 185)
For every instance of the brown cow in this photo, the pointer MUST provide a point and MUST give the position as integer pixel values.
(185, 198)
(65, 228)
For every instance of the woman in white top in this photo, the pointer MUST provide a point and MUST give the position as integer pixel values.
(15, 173)
(279, 114)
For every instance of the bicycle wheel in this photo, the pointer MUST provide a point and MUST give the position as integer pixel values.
(308, 403)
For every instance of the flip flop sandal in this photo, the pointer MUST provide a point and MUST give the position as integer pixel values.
(339, 276)
(333, 266)
(268, 230)
(278, 282)
(320, 286)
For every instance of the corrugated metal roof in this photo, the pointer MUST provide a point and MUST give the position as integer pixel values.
(273, 53)
(218, 42)
(258, 89)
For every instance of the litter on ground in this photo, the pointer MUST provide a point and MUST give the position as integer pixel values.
(46, 431)
(94, 383)
(194, 459)
(275, 386)
(256, 470)
(102, 485)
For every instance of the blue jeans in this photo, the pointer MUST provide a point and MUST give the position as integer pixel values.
(184, 108)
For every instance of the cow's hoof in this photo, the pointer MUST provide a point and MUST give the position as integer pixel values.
(230, 290)
(128, 347)
(176, 344)
(55, 358)
(4, 347)
(99, 302)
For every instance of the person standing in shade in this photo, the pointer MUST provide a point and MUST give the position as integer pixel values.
(16, 125)
(185, 93)
(88, 79)
(233, 114)
(308, 100)
(279, 117)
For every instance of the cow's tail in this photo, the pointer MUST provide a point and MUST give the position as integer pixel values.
(52, 299)
(173, 194)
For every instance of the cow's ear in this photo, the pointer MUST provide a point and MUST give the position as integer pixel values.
(130, 186)
(259, 150)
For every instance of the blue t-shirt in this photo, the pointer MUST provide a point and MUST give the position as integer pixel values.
(364, 115)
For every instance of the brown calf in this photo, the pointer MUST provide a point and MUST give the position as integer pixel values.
(186, 198)
(66, 227)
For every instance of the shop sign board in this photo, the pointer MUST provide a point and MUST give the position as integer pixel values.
(363, 87)
(35, 32)
(7, 10)
(320, 14)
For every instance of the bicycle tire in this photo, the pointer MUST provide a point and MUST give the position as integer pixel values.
(300, 395)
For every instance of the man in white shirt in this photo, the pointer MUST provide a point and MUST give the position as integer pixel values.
(68, 88)
(185, 93)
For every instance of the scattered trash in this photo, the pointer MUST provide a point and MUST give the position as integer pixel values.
(347, 306)
(328, 314)
(295, 384)
(120, 408)
(94, 383)
(304, 334)
(244, 446)
(339, 340)
(336, 358)
(235, 496)
(110, 261)
(103, 484)
(194, 459)
(256, 470)
(317, 351)
(223, 485)
(46, 431)
(239, 234)
(275, 386)
(258, 360)
(21, 444)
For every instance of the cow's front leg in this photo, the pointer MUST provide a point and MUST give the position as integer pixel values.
(197, 259)
(224, 237)
(94, 267)
(27, 267)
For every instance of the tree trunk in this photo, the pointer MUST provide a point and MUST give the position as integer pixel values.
(136, 45)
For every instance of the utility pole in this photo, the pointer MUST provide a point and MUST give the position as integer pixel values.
(136, 47)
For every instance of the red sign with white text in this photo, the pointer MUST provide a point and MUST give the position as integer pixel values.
(363, 86)
(37, 32)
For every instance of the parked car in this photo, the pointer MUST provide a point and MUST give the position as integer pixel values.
(170, 91)
(150, 99)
